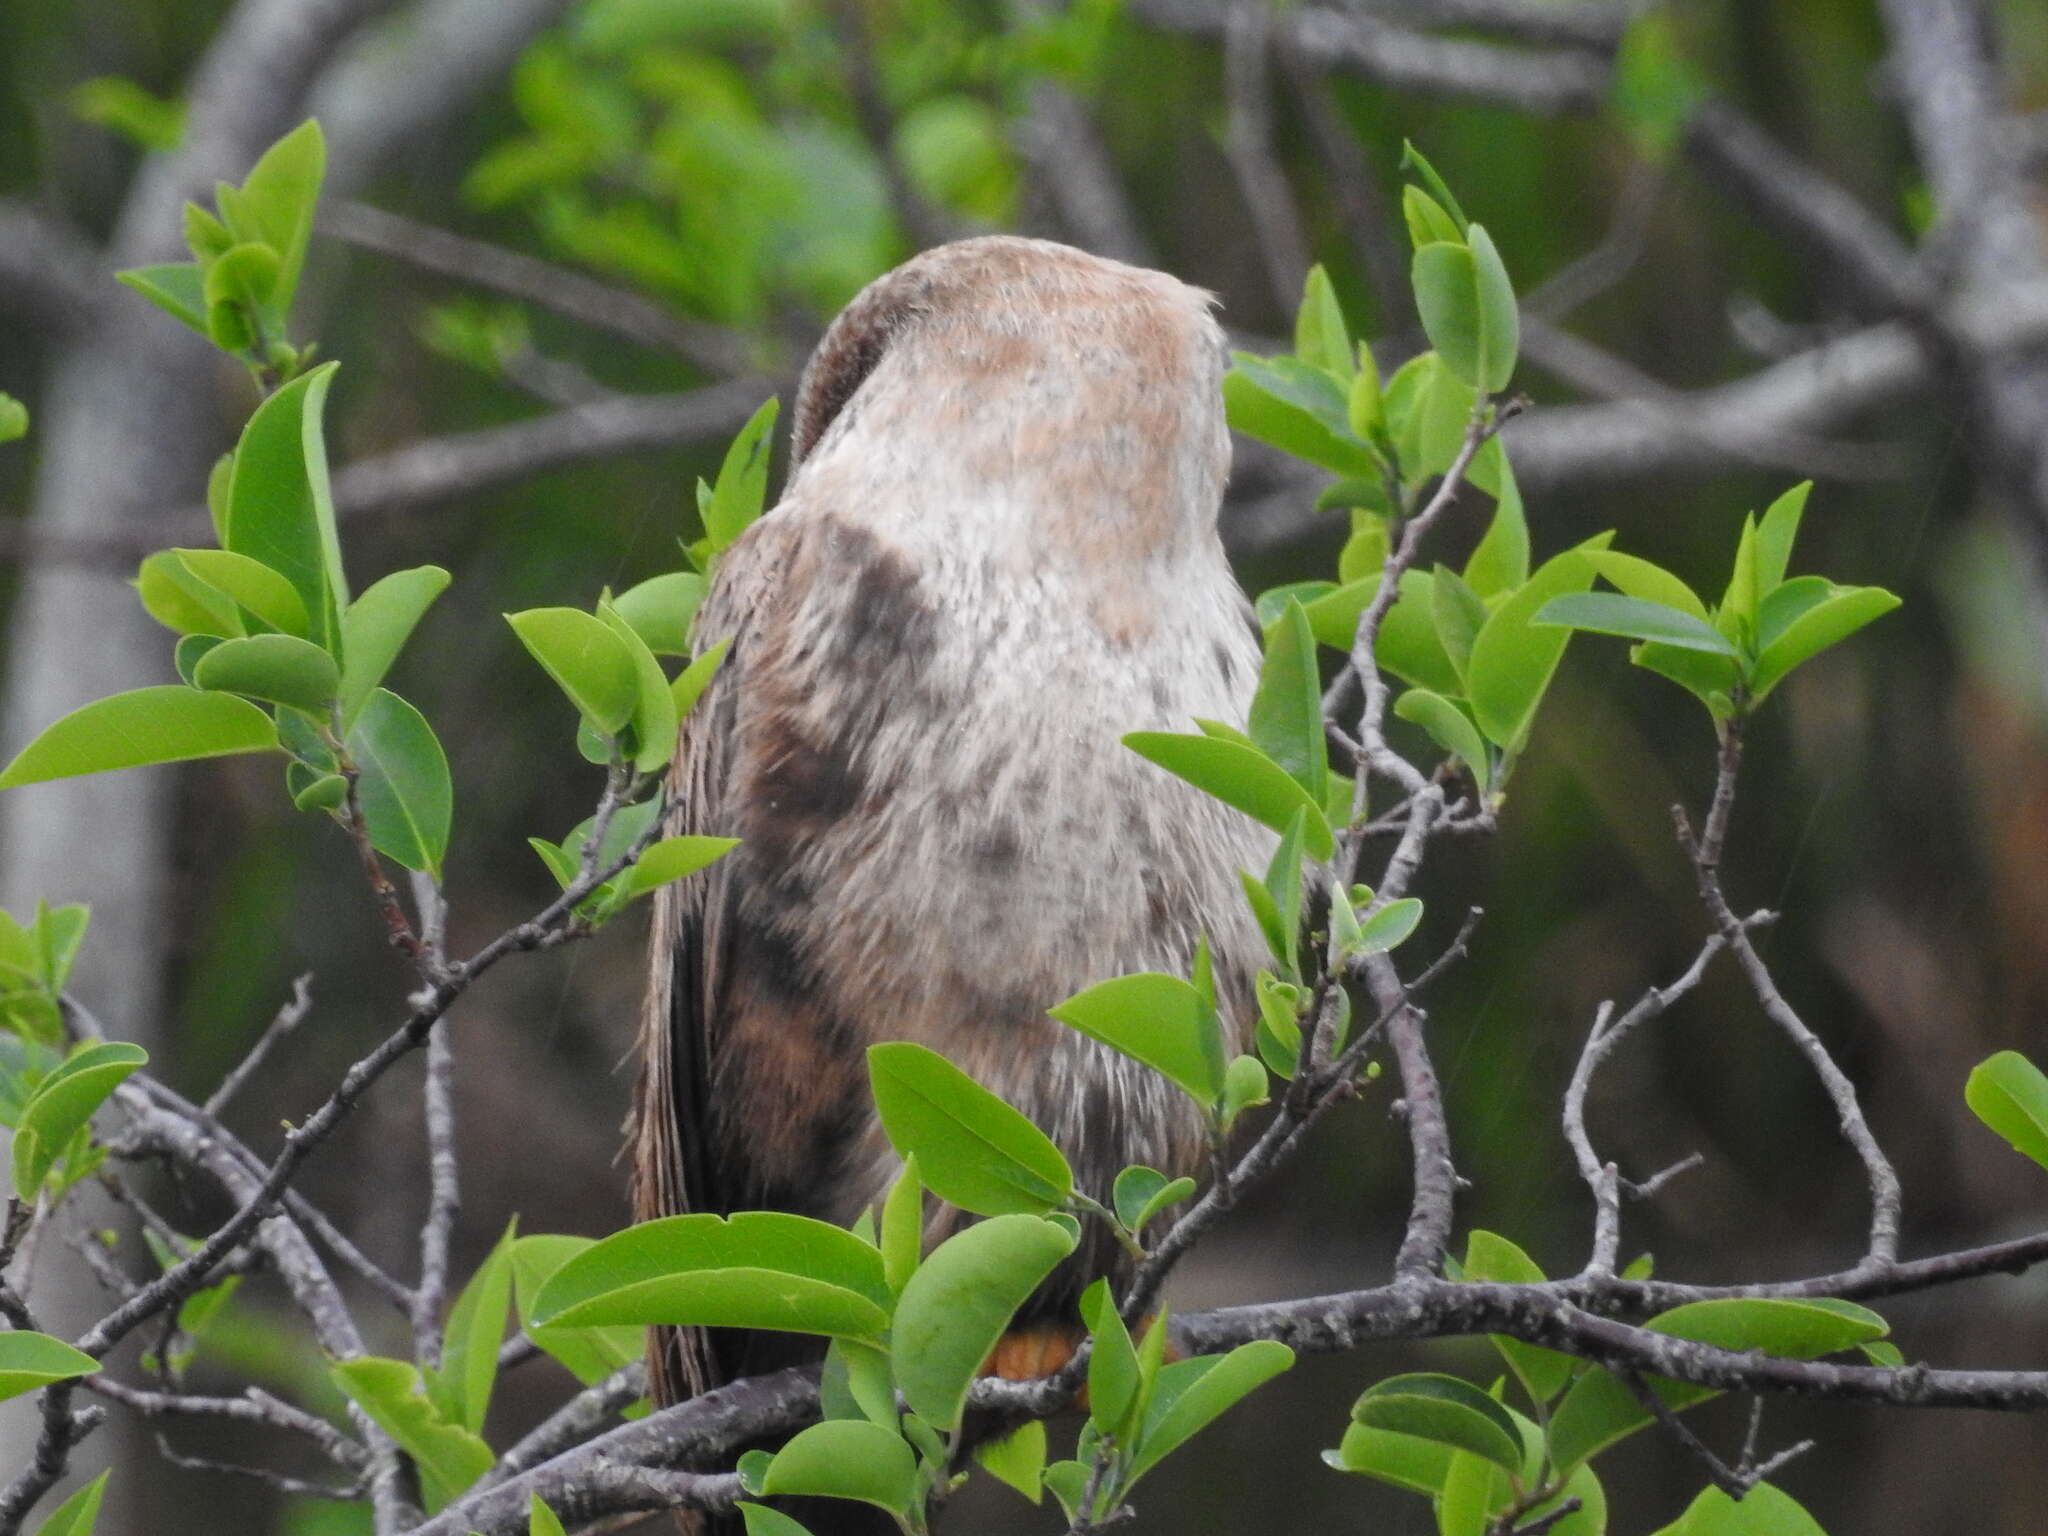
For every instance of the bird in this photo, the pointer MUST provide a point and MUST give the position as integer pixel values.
(996, 553)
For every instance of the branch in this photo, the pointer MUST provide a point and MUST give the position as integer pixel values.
(618, 311)
(254, 1406)
(283, 1022)
(444, 1201)
(1346, 42)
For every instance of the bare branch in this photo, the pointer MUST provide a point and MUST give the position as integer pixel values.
(618, 311)
(444, 1200)
(254, 1406)
(283, 1022)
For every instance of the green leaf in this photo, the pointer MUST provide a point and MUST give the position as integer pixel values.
(762, 1521)
(1365, 410)
(1333, 616)
(1501, 562)
(972, 1149)
(1141, 1193)
(660, 610)
(1738, 611)
(255, 586)
(449, 1457)
(461, 1388)
(1360, 562)
(955, 1308)
(1775, 536)
(1239, 776)
(1543, 1372)
(1152, 1018)
(1406, 1461)
(241, 282)
(691, 682)
(1610, 613)
(760, 1269)
(1412, 160)
(1017, 1458)
(1443, 1408)
(167, 724)
(1815, 630)
(587, 661)
(79, 1514)
(182, 603)
(1447, 297)
(675, 858)
(1245, 1086)
(1712, 679)
(589, 1354)
(13, 418)
(1298, 409)
(1192, 1394)
(742, 480)
(902, 1235)
(1114, 1381)
(1450, 728)
(177, 288)
(1429, 409)
(1280, 915)
(1287, 710)
(1409, 646)
(1459, 615)
(2010, 1094)
(846, 1459)
(654, 711)
(1321, 338)
(1763, 1511)
(1390, 926)
(376, 626)
(1652, 583)
(1500, 324)
(61, 1106)
(281, 192)
(1513, 660)
(280, 507)
(542, 1521)
(1786, 603)
(406, 795)
(32, 1360)
(280, 669)
(1426, 219)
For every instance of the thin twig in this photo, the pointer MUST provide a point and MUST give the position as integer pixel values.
(287, 1018)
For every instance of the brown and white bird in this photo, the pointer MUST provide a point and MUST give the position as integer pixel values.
(996, 554)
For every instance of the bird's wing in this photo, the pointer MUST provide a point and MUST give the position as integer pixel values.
(674, 1169)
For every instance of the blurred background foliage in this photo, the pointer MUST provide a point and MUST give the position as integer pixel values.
(749, 164)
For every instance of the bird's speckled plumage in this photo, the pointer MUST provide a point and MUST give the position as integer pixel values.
(996, 555)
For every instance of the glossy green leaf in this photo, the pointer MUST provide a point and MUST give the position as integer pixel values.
(675, 858)
(177, 288)
(1500, 325)
(1239, 776)
(846, 1459)
(955, 1308)
(279, 669)
(1763, 1511)
(742, 483)
(660, 610)
(654, 710)
(1652, 583)
(1142, 1193)
(167, 724)
(1543, 1372)
(254, 586)
(1359, 564)
(1445, 1409)
(1458, 614)
(461, 1388)
(1513, 660)
(79, 1514)
(62, 1104)
(281, 192)
(760, 1520)
(244, 276)
(760, 1269)
(1409, 646)
(1426, 219)
(1815, 630)
(32, 1360)
(1192, 1394)
(587, 661)
(1017, 1458)
(1287, 710)
(1788, 602)
(182, 603)
(1775, 535)
(589, 1354)
(376, 626)
(1710, 677)
(1390, 926)
(1447, 297)
(1450, 728)
(1365, 410)
(407, 798)
(1297, 409)
(1736, 617)
(1113, 1377)
(542, 1521)
(1321, 338)
(972, 1149)
(1416, 164)
(1153, 1018)
(691, 682)
(1501, 562)
(901, 1238)
(448, 1456)
(1333, 615)
(1612, 613)
(2010, 1094)
(1429, 411)
(1406, 1461)
(280, 506)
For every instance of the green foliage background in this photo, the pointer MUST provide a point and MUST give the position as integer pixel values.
(725, 159)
